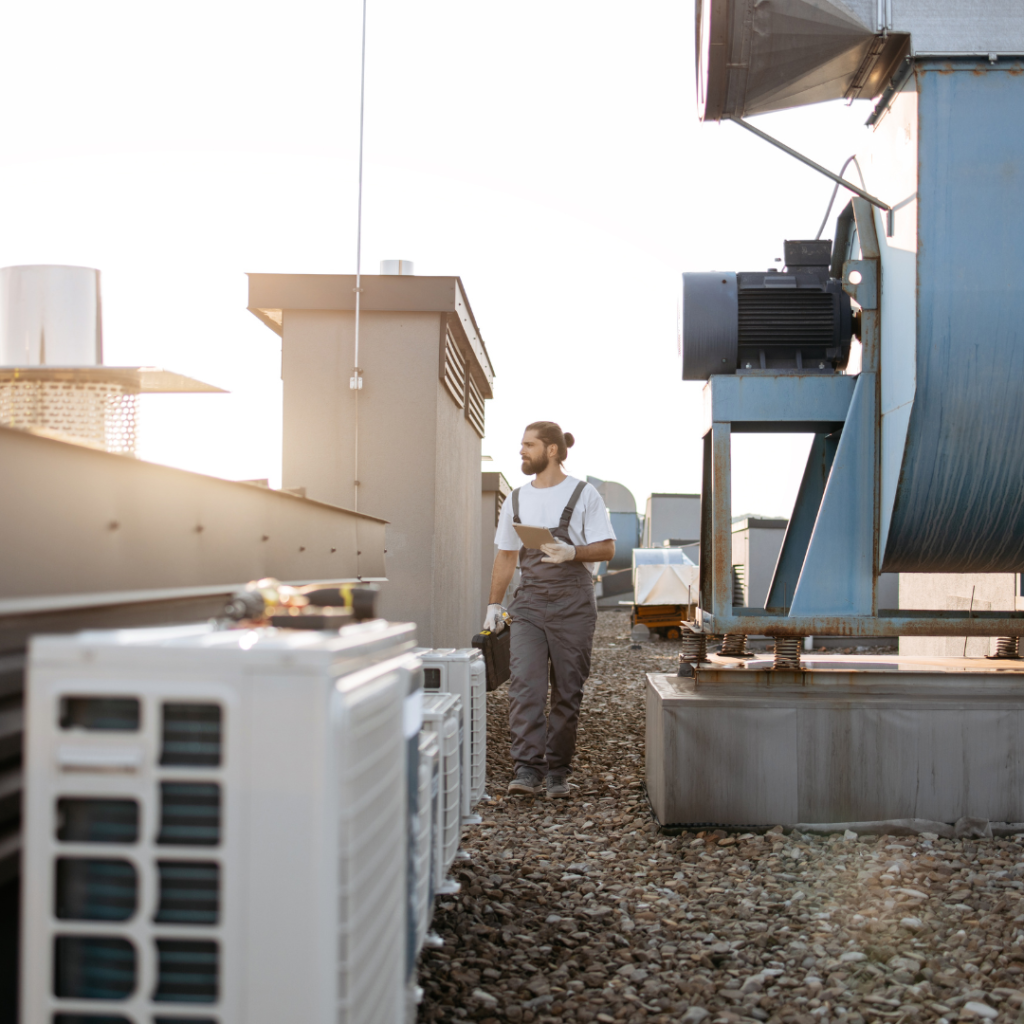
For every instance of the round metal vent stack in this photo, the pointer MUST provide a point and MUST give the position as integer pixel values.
(52, 377)
(397, 268)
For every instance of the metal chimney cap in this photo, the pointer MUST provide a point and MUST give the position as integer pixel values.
(397, 268)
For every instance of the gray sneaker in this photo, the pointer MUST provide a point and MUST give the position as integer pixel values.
(527, 780)
(558, 787)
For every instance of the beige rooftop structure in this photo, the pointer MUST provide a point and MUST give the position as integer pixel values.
(418, 417)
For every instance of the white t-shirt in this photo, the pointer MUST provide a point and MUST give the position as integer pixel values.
(543, 506)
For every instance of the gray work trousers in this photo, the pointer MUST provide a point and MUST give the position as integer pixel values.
(553, 621)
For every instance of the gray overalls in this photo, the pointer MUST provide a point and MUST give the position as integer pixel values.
(554, 612)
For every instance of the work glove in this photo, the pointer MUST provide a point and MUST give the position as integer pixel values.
(495, 621)
(558, 551)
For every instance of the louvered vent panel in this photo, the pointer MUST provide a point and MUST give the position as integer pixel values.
(93, 1018)
(424, 862)
(186, 971)
(191, 735)
(93, 967)
(189, 814)
(100, 713)
(84, 820)
(91, 889)
(478, 730)
(442, 716)
(787, 317)
(454, 371)
(451, 773)
(189, 892)
(475, 407)
(183, 1020)
(373, 853)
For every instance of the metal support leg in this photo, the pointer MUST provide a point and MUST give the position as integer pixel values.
(721, 520)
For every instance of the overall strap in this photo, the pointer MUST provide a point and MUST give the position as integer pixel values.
(515, 507)
(571, 507)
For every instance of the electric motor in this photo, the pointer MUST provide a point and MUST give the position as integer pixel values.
(795, 320)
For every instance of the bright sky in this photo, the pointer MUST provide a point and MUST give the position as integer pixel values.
(548, 153)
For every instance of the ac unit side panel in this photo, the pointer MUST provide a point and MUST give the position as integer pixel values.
(372, 863)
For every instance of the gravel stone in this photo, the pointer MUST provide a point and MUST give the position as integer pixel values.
(581, 910)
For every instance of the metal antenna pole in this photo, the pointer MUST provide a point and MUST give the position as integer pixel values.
(356, 382)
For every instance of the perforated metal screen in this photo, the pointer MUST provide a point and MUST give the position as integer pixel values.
(99, 412)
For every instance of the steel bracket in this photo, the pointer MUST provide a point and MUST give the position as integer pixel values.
(860, 282)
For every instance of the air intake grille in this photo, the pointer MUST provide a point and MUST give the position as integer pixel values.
(454, 371)
(97, 821)
(90, 967)
(95, 890)
(191, 735)
(189, 814)
(187, 972)
(475, 406)
(103, 713)
(787, 316)
(189, 892)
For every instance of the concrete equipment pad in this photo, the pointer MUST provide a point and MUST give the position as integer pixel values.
(848, 739)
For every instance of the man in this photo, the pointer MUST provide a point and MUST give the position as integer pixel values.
(554, 611)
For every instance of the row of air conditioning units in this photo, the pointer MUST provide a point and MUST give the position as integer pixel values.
(241, 826)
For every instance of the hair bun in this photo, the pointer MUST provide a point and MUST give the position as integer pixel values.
(569, 440)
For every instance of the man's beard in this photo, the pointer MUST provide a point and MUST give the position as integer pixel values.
(537, 465)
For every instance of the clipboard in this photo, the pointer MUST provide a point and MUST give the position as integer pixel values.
(533, 536)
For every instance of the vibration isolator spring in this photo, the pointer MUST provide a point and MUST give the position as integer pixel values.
(787, 653)
(1007, 647)
(695, 647)
(734, 645)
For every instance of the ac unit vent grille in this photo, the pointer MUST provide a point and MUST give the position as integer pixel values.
(189, 892)
(119, 714)
(186, 972)
(475, 406)
(454, 375)
(97, 821)
(182, 1020)
(93, 967)
(189, 814)
(96, 1018)
(95, 890)
(431, 679)
(191, 735)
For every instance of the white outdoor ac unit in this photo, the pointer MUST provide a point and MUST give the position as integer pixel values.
(446, 670)
(442, 715)
(215, 826)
